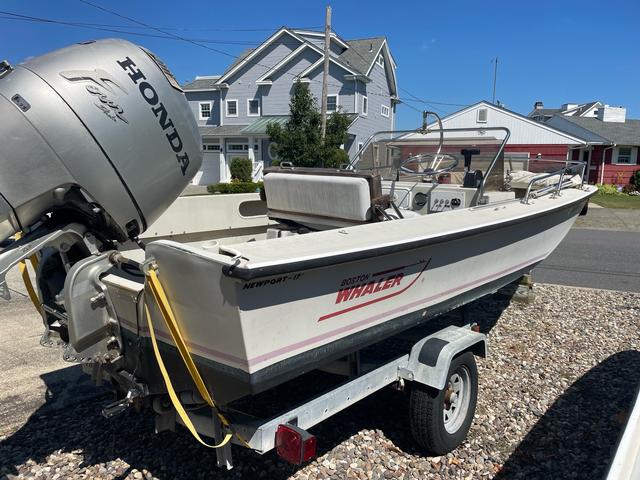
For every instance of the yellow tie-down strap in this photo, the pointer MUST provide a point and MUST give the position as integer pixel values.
(24, 272)
(167, 314)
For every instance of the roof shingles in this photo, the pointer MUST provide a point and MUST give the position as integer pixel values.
(361, 53)
(627, 133)
(207, 83)
(358, 57)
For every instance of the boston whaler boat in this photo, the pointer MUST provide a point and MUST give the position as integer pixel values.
(419, 223)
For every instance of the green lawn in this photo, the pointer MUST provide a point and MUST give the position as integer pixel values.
(616, 201)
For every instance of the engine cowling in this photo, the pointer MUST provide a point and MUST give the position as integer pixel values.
(99, 132)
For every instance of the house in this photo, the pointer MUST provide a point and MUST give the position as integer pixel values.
(528, 138)
(612, 143)
(234, 109)
(587, 110)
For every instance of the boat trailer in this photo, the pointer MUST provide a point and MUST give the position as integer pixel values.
(427, 366)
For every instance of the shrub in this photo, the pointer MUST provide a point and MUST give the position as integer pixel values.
(635, 179)
(336, 157)
(629, 188)
(235, 187)
(275, 163)
(608, 189)
(241, 169)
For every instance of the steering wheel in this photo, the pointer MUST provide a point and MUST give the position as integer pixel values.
(435, 159)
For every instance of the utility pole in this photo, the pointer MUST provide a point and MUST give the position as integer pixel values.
(495, 77)
(325, 74)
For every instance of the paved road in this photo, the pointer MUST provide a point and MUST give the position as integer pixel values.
(34, 378)
(596, 259)
(620, 219)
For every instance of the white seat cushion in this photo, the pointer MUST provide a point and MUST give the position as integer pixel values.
(520, 179)
(320, 199)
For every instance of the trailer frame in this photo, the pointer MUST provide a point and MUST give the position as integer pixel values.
(427, 363)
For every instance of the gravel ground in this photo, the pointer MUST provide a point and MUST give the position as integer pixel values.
(554, 392)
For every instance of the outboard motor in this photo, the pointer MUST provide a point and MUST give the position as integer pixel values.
(96, 141)
(99, 133)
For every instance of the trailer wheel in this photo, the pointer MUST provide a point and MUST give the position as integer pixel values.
(440, 419)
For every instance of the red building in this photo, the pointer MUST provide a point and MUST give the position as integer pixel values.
(613, 142)
(528, 138)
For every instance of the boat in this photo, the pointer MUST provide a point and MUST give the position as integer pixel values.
(340, 268)
(419, 223)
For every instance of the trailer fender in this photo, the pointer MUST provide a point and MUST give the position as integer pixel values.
(430, 358)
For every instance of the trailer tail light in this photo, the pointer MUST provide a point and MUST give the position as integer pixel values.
(294, 444)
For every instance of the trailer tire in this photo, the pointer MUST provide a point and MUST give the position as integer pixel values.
(440, 419)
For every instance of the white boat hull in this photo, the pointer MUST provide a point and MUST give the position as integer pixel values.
(250, 334)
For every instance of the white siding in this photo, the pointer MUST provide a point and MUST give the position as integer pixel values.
(523, 131)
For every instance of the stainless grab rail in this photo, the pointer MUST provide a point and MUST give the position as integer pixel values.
(441, 131)
(560, 184)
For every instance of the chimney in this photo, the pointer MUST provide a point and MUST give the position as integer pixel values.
(538, 106)
(612, 114)
(371, 47)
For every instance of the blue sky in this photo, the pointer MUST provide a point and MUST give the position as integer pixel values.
(557, 52)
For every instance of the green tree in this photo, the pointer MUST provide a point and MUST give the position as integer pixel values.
(635, 179)
(299, 140)
(240, 169)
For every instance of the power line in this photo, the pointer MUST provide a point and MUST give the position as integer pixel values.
(99, 7)
(216, 50)
(118, 29)
(186, 29)
(432, 102)
(416, 99)
(172, 36)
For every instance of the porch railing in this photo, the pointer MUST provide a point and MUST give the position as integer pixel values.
(257, 171)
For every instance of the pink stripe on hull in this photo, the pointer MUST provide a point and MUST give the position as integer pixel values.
(193, 346)
(346, 328)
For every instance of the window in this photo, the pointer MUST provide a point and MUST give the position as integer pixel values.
(625, 156)
(380, 60)
(237, 147)
(365, 105)
(384, 111)
(332, 103)
(482, 115)
(253, 107)
(205, 110)
(232, 108)
(208, 147)
(360, 145)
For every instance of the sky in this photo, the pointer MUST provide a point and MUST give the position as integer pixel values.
(551, 51)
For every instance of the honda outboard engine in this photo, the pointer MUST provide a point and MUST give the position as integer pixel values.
(96, 141)
(98, 133)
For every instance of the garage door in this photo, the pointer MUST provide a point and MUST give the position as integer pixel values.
(210, 171)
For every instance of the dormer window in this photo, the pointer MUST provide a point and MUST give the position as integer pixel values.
(380, 60)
